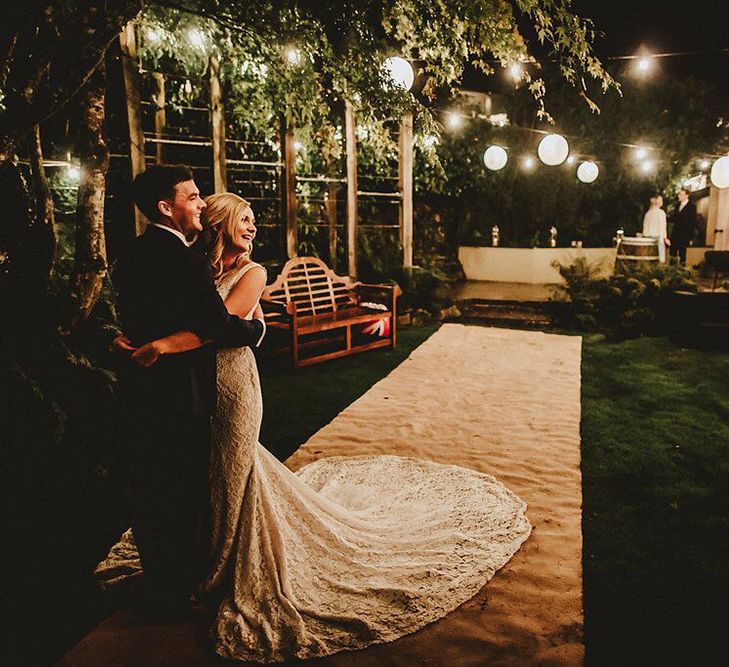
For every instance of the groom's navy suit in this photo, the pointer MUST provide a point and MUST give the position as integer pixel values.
(165, 287)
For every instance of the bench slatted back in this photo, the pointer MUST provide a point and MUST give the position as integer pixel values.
(312, 286)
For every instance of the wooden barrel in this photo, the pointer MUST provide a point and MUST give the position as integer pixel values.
(638, 249)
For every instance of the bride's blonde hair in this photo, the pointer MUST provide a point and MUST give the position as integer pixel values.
(225, 210)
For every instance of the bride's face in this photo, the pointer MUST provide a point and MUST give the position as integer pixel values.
(244, 232)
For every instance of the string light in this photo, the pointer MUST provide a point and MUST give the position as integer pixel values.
(196, 38)
(644, 64)
(641, 153)
(430, 140)
(528, 162)
(516, 71)
(292, 55)
(720, 172)
(74, 173)
(553, 150)
(454, 120)
(647, 166)
(703, 164)
(298, 145)
(495, 158)
(400, 72)
(587, 172)
(571, 159)
(152, 36)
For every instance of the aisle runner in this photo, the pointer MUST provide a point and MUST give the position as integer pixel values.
(507, 403)
(501, 401)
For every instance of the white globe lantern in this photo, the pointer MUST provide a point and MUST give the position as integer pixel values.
(720, 172)
(553, 150)
(495, 158)
(587, 172)
(400, 72)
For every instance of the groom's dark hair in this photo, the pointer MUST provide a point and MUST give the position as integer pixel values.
(155, 184)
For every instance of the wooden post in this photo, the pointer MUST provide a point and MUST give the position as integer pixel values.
(351, 149)
(288, 187)
(331, 208)
(160, 115)
(217, 123)
(130, 69)
(405, 180)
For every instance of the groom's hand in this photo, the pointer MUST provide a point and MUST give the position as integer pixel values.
(148, 354)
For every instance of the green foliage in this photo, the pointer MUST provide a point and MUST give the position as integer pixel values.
(631, 303)
(340, 48)
(425, 290)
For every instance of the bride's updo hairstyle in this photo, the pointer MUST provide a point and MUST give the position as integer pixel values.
(224, 209)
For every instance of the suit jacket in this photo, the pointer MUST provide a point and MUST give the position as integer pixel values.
(684, 225)
(165, 287)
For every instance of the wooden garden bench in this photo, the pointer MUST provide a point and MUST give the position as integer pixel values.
(324, 313)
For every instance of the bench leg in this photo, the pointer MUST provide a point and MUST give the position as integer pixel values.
(295, 347)
(393, 321)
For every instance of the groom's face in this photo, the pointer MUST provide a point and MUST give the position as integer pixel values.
(185, 208)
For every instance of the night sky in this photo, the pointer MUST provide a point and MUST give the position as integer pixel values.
(663, 26)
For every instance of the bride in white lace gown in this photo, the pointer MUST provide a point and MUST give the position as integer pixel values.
(347, 551)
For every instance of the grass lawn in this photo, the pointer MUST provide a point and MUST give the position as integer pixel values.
(655, 441)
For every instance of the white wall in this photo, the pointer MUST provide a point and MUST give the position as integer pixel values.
(529, 265)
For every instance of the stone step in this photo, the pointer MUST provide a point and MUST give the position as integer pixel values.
(514, 313)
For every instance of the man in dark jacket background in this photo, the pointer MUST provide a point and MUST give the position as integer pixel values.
(684, 226)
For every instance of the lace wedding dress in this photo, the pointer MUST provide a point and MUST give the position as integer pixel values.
(347, 551)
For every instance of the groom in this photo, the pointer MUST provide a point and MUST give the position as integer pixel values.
(165, 287)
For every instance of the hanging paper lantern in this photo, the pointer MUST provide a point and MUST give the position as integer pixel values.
(720, 172)
(587, 172)
(495, 158)
(553, 149)
(400, 72)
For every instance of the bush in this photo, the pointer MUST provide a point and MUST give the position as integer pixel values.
(631, 303)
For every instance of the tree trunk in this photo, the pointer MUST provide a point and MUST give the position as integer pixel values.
(44, 214)
(90, 265)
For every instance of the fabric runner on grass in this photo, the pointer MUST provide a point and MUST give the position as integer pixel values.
(501, 401)
(507, 403)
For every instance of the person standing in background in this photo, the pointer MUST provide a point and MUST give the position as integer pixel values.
(654, 224)
(684, 226)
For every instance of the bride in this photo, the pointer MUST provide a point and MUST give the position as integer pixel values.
(344, 553)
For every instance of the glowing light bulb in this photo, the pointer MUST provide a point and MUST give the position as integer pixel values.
(430, 140)
(196, 38)
(298, 145)
(516, 71)
(644, 64)
(720, 172)
(587, 172)
(74, 173)
(553, 150)
(571, 159)
(400, 72)
(152, 36)
(641, 153)
(703, 164)
(528, 162)
(495, 158)
(292, 55)
(454, 120)
(647, 166)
